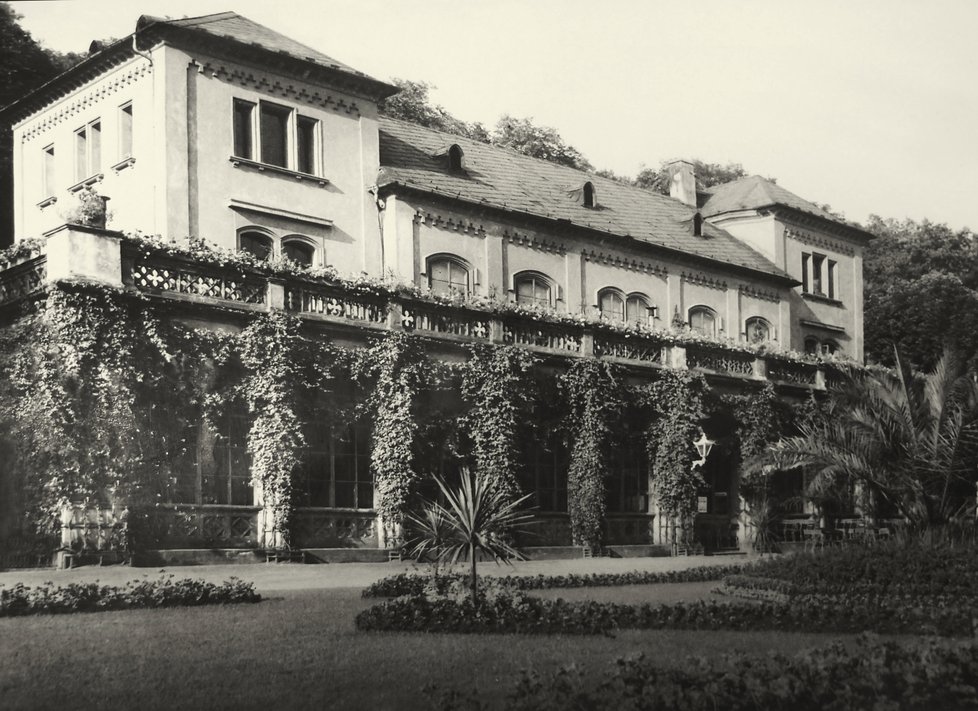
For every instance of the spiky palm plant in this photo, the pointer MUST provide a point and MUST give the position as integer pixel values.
(908, 438)
(479, 517)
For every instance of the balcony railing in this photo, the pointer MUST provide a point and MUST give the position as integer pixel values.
(169, 275)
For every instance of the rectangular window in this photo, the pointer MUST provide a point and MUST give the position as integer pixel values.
(48, 178)
(88, 151)
(818, 280)
(306, 144)
(831, 279)
(125, 132)
(274, 135)
(244, 139)
(283, 139)
(806, 262)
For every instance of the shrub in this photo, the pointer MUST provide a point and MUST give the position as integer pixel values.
(92, 597)
(414, 584)
(873, 674)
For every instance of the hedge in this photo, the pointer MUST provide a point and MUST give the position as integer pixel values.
(92, 597)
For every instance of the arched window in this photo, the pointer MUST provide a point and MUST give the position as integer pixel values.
(638, 309)
(534, 289)
(811, 345)
(589, 200)
(829, 347)
(447, 274)
(697, 225)
(257, 244)
(612, 305)
(758, 330)
(299, 251)
(703, 319)
(456, 158)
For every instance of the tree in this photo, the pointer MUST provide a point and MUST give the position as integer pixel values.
(907, 439)
(413, 104)
(707, 175)
(477, 519)
(544, 142)
(921, 286)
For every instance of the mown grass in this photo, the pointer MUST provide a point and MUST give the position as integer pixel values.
(300, 650)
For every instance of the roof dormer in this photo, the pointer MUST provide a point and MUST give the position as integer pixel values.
(584, 195)
(453, 157)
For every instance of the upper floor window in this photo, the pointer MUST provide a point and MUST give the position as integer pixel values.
(829, 347)
(638, 309)
(612, 305)
(830, 279)
(276, 135)
(588, 197)
(811, 345)
(533, 289)
(818, 262)
(48, 182)
(125, 131)
(88, 150)
(257, 244)
(448, 275)
(758, 330)
(299, 251)
(703, 319)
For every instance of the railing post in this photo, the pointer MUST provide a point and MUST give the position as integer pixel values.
(587, 343)
(676, 357)
(820, 378)
(78, 252)
(275, 295)
(496, 329)
(395, 316)
(760, 368)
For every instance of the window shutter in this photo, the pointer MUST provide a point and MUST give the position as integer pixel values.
(476, 277)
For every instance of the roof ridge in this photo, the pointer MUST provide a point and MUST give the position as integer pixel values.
(204, 19)
(549, 163)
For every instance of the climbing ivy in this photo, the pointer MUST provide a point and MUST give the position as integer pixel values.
(677, 400)
(399, 368)
(497, 384)
(593, 392)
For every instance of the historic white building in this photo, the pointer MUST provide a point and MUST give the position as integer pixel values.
(221, 129)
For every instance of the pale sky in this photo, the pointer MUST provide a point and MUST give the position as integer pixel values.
(869, 106)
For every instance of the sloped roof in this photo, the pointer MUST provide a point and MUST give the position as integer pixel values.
(232, 26)
(755, 192)
(500, 178)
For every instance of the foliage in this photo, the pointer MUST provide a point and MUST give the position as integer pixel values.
(92, 597)
(909, 439)
(413, 584)
(271, 352)
(926, 269)
(89, 209)
(522, 614)
(543, 142)
(413, 104)
(592, 390)
(707, 175)
(677, 401)
(399, 368)
(97, 400)
(480, 515)
(871, 674)
(496, 382)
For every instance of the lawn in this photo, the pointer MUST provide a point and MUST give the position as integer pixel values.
(299, 649)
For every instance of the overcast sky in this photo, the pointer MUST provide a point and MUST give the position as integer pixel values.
(869, 106)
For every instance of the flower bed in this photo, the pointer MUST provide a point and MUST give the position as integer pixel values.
(92, 597)
(517, 613)
(872, 674)
(415, 584)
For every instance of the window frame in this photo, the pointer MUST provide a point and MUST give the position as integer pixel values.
(537, 278)
(651, 310)
(88, 140)
(452, 260)
(767, 324)
(295, 239)
(265, 234)
(126, 126)
(613, 292)
(249, 143)
(703, 308)
(49, 172)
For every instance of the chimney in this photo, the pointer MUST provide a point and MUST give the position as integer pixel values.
(682, 181)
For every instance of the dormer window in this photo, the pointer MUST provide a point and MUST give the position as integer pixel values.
(697, 225)
(456, 158)
(588, 195)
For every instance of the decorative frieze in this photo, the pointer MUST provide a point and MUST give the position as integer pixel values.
(762, 294)
(806, 237)
(456, 224)
(704, 280)
(525, 240)
(270, 84)
(84, 100)
(635, 265)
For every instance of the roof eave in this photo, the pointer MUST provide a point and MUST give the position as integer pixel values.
(852, 231)
(386, 187)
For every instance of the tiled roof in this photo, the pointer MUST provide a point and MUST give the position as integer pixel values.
(754, 192)
(233, 26)
(504, 179)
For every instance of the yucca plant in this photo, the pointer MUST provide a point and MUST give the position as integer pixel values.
(476, 520)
